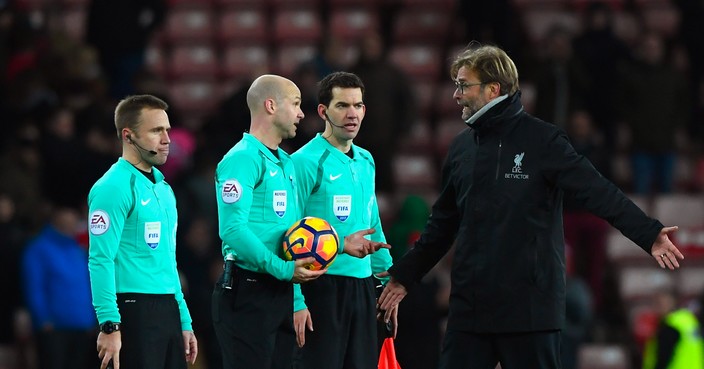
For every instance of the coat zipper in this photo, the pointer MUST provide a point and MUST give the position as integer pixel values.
(498, 163)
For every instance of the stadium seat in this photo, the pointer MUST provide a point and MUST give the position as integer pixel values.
(445, 104)
(537, 21)
(690, 281)
(681, 210)
(662, 17)
(79, 4)
(447, 129)
(295, 4)
(193, 62)
(350, 24)
(446, 5)
(241, 61)
(419, 62)
(415, 172)
(243, 26)
(621, 250)
(289, 57)
(641, 282)
(194, 98)
(596, 356)
(239, 4)
(73, 22)
(189, 25)
(424, 92)
(155, 60)
(300, 25)
(418, 139)
(430, 26)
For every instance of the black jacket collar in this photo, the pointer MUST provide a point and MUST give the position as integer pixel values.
(499, 115)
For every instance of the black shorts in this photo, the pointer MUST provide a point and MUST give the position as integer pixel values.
(151, 332)
(254, 321)
(343, 310)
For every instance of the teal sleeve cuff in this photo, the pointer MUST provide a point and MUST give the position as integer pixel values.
(299, 301)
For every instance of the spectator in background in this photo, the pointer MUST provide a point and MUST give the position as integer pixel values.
(560, 80)
(120, 31)
(392, 107)
(12, 239)
(57, 290)
(21, 172)
(61, 147)
(678, 341)
(654, 104)
(601, 52)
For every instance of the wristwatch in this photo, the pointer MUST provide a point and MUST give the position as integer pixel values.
(109, 327)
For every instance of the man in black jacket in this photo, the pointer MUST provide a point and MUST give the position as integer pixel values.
(501, 202)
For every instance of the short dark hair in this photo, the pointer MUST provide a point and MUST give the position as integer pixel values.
(337, 79)
(128, 112)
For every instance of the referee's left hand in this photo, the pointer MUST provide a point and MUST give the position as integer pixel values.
(301, 321)
(190, 344)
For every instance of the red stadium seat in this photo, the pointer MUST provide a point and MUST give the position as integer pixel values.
(430, 26)
(290, 57)
(243, 25)
(445, 103)
(240, 4)
(194, 98)
(73, 22)
(446, 132)
(295, 4)
(642, 282)
(189, 24)
(420, 62)
(241, 61)
(351, 24)
(302, 26)
(681, 210)
(193, 62)
(594, 356)
(415, 172)
(446, 5)
(155, 60)
(425, 95)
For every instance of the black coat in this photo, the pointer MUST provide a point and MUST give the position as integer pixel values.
(501, 201)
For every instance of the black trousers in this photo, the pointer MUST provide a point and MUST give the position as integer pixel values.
(530, 350)
(254, 321)
(151, 332)
(343, 310)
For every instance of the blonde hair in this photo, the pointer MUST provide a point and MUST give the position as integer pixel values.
(491, 65)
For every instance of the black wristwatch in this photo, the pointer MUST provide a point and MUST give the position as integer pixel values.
(109, 327)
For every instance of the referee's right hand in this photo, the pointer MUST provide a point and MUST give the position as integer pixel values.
(109, 349)
(302, 274)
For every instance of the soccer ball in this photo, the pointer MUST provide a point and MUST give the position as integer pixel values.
(314, 237)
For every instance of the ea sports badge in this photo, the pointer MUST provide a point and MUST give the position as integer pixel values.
(98, 223)
(231, 191)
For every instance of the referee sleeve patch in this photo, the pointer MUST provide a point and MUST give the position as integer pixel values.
(99, 222)
(231, 191)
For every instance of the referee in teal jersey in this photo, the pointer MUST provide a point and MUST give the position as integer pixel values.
(257, 202)
(255, 182)
(143, 317)
(336, 183)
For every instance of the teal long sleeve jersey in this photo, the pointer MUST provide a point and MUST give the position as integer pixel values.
(341, 190)
(132, 233)
(257, 203)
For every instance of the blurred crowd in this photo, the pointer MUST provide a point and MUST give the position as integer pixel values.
(630, 97)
